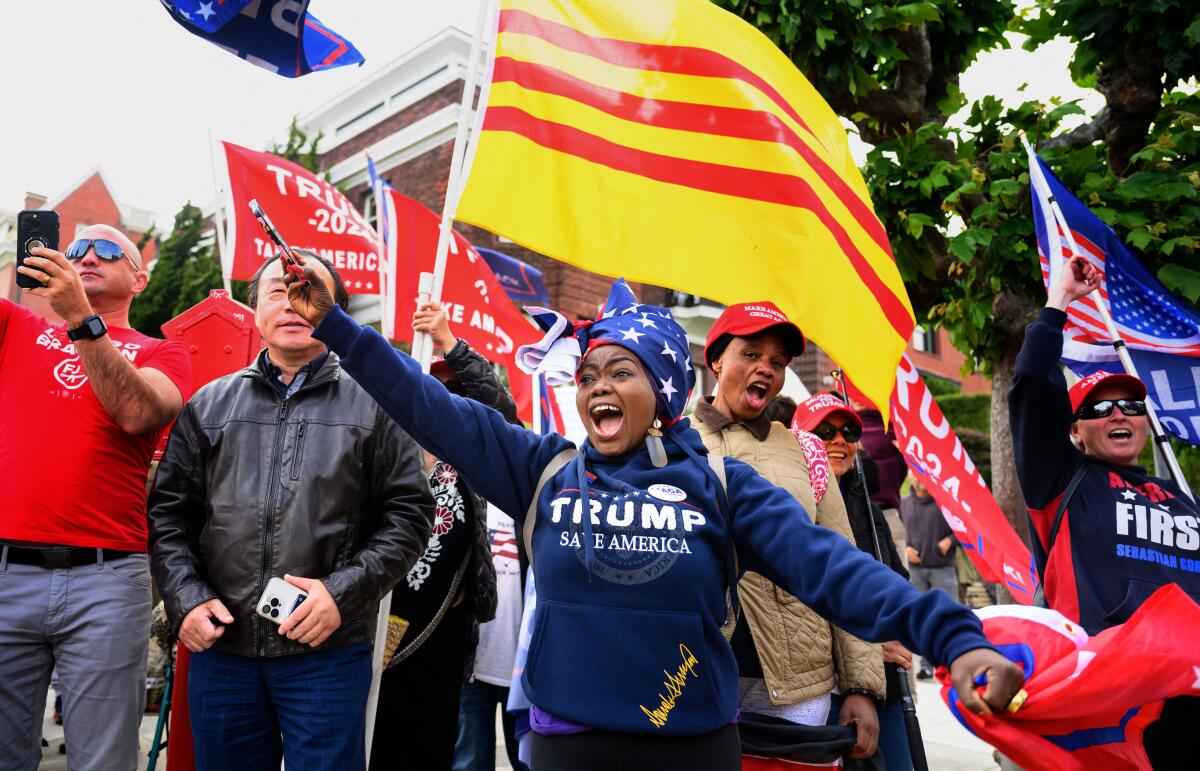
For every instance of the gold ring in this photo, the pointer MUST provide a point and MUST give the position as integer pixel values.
(1018, 700)
(45, 279)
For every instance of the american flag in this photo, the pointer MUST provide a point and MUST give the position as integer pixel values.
(504, 542)
(1145, 314)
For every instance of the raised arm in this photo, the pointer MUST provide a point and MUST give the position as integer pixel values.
(1039, 408)
(775, 537)
(138, 400)
(500, 461)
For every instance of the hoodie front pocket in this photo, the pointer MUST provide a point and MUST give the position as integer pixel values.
(623, 669)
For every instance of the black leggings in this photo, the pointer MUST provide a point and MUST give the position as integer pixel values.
(598, 750)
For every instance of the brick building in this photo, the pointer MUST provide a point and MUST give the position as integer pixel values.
(405, 117)
(90, 201)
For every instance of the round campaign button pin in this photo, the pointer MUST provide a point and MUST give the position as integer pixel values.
(667, 492)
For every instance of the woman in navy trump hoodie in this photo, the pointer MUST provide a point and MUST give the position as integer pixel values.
(638, 540)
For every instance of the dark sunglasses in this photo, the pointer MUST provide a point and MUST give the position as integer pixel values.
(106, 250)
(851, 432)
(1104, 408)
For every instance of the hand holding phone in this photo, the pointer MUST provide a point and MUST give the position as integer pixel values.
(35, 228)
(279, 600)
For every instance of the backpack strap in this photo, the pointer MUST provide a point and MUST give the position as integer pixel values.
(733, 608)
(553, 467)
(1039, 597)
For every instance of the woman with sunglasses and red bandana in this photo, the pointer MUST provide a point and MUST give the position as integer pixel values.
(840, 429)
(789, 659)
(638, 542)
(1105, 533)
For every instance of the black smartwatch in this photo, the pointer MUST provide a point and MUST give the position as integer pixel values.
(92, 328)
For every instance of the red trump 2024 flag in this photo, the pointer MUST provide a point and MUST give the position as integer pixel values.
(309, 213)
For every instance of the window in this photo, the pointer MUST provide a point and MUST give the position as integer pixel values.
(925, 339)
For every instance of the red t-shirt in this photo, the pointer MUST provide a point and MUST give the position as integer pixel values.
(68, 474)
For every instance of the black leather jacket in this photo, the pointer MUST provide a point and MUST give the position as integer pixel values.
(322, 485)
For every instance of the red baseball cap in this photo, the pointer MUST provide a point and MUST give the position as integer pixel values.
(1081, 390)
(745, 319)
(812, 411)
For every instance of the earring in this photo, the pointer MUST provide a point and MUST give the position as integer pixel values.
(654, 444)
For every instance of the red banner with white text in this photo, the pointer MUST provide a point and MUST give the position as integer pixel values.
(308, 212)
(935, 453)
(479, 309)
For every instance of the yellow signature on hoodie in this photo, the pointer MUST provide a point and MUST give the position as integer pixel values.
(673, 687)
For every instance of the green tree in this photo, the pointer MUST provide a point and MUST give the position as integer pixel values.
(181, 275)
(949, 179)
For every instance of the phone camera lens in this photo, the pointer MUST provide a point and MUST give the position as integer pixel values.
(266, 608)
(274, 602)
(29, 222)
(274, 613)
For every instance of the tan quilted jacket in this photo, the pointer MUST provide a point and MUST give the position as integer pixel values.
(800, 652)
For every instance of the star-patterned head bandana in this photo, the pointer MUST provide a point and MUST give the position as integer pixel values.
(649, 331)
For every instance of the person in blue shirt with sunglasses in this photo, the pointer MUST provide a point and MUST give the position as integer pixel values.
(1105, 533)
(636, 539)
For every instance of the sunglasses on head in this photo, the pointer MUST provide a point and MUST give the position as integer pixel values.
(106, 250)
(851, 432)
(1104, 408)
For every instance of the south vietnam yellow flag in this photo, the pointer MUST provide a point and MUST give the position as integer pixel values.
(670, 142)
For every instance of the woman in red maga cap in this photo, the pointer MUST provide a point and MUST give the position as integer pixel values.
(840, 428)
(789, 658)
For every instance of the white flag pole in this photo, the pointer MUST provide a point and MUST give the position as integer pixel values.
(218, 220)
(1118, 344)
(536, 379)
(455, 182)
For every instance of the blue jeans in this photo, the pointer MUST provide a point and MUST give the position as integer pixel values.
(308, 710)
(893, 735)
(475, 749)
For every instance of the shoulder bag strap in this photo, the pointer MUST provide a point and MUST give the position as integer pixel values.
(556, 463)
(1039, 597)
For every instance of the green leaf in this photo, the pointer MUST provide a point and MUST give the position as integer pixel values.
(1139, 238)
(1183, 280)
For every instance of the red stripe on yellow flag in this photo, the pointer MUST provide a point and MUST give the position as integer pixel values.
(669, 142)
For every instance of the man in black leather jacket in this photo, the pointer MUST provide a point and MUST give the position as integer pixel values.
(284, 469)
(450, 590)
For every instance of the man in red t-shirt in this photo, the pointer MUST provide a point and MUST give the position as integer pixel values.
(82, 406)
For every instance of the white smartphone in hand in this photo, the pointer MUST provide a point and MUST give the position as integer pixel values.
(279, 600)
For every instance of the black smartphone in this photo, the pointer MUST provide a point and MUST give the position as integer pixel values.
(38, 227)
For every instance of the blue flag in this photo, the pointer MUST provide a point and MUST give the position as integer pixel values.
(278, 35)
(521, 281)
(1161, 331)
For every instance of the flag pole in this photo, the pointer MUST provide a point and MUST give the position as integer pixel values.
(455, 183)
(1161, 442)
(218, 220)
(536, 379)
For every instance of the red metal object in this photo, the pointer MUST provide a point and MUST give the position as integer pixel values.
(220, 336)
